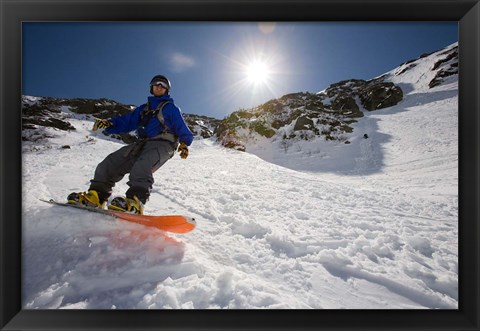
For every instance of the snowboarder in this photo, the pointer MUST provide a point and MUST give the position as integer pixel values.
(161, 130)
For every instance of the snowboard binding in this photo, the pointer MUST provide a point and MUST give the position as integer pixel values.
(89, 199)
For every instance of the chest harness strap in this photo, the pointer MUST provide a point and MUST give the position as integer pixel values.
(145, 117)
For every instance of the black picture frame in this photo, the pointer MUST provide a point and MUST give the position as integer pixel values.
(14, 12)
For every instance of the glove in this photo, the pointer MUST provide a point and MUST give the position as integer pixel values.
(101, 124)
(183, 149)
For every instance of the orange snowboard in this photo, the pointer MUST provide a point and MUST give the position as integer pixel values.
(168, 223)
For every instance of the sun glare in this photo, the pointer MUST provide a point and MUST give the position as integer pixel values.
(257, 72)
(255, 68)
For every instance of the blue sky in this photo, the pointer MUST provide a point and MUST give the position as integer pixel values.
(216, 68)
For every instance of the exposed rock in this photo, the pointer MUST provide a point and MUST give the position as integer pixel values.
(380, 96)
(346, 105)
(306, 115)
(50, 121)
(303, 123)
(202, 126)
(448, 67)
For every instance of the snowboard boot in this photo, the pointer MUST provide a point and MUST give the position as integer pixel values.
(128, 205)
(88, 199)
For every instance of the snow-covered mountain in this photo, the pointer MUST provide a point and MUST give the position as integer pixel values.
(307, 116)
(309, 122)
(41, 112)
(293, 223)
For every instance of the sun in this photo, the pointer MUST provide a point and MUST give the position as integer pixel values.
(257, 72)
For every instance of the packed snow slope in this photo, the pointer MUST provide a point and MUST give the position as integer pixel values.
(371, 225)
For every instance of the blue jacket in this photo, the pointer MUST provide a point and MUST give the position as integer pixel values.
(172, 115)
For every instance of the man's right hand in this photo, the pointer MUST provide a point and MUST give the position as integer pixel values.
(183, 149)
(101, 124)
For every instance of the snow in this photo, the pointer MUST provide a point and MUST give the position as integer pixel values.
(326, 225)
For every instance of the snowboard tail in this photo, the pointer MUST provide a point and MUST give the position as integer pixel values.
(168, 223)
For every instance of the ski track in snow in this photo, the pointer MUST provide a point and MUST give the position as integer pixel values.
(380, 233)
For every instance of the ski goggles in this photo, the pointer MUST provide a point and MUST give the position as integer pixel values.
(160, 83)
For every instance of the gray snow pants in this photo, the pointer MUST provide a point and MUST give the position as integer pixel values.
(140, 159)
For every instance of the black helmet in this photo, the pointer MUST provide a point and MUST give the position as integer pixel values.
(160, 80)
